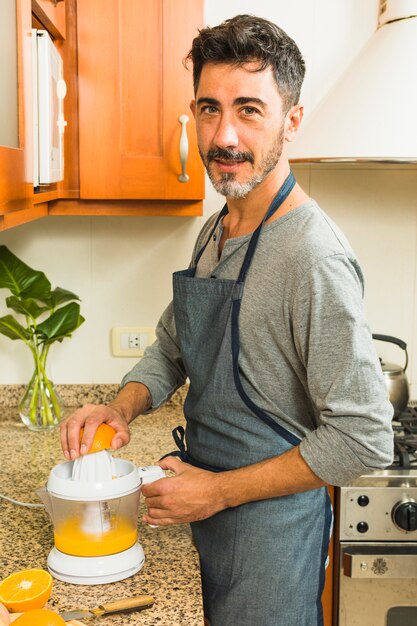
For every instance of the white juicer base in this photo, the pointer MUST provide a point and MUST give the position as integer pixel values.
(95, 570)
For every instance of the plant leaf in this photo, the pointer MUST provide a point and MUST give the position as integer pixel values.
(10, 327)
(60, 324)
(26, 306)
(59, 296)
(21, 279)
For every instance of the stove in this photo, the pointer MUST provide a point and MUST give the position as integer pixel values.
(405, 439)
(382, 505)
(377, 539)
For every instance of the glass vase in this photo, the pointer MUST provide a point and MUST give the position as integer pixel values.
(40, 407)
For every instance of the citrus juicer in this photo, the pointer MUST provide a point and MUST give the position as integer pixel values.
(93, 503)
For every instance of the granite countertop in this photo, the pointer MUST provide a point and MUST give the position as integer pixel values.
(171, 571)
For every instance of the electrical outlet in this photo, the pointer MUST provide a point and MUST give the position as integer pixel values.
(131, 341)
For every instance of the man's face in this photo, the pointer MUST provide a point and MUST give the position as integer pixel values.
(240, 126)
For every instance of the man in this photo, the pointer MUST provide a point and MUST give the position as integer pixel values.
(286, 392)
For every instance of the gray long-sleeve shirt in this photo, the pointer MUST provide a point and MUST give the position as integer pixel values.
(306, 350)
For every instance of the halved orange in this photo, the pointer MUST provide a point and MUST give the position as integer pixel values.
(102, 438)
(26, 590)
(39, 617)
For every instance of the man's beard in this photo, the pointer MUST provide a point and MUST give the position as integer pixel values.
(227, 185)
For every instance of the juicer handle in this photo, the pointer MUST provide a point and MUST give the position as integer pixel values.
(150, 473)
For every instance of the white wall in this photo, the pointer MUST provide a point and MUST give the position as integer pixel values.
(121, 267)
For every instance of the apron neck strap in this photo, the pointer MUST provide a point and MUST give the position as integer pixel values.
(222, 213)
(282, 195)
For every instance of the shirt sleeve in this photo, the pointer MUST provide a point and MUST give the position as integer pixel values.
(344, 376)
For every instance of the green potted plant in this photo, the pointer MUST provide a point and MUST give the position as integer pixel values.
(49, 315)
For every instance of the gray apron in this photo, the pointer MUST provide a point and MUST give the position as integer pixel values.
(262, 563)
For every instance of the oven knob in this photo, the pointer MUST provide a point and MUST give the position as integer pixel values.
(363, 500)
(404, 515)
(362, 527)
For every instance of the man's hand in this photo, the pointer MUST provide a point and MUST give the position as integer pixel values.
(134, 399)
(194, 494)
(90, 417)
(189, 496)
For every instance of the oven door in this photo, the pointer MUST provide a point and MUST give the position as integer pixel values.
(378, 584)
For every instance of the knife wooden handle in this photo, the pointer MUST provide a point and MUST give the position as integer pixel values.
(125, 604)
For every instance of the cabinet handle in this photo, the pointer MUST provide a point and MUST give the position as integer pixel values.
(183, 177)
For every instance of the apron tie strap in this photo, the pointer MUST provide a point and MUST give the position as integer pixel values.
(179, 437)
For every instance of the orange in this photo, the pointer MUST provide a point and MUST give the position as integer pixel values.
(26, 590)
(39, 617)
(102, 438)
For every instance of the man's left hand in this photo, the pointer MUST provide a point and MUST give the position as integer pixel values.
(191, 495)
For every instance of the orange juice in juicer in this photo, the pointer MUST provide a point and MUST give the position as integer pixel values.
(93, 503)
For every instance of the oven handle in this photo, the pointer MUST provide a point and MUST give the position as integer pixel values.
(381, 563)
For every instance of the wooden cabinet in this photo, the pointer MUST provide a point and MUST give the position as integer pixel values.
(126, 90)
(15, 153)
(18, 203)
(133, 88)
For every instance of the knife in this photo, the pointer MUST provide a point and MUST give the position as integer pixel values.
(135, 603)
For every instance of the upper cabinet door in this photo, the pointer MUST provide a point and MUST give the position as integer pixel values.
(15, 130)
(133, 89)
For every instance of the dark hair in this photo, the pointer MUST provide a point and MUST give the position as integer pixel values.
(246, 38)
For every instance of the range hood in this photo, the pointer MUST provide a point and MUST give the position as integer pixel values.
(371, 113)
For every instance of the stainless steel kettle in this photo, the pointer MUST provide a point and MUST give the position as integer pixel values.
(395, 377)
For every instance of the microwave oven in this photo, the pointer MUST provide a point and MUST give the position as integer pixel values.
(49, 91)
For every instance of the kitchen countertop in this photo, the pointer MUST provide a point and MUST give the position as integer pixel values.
(171, 571)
